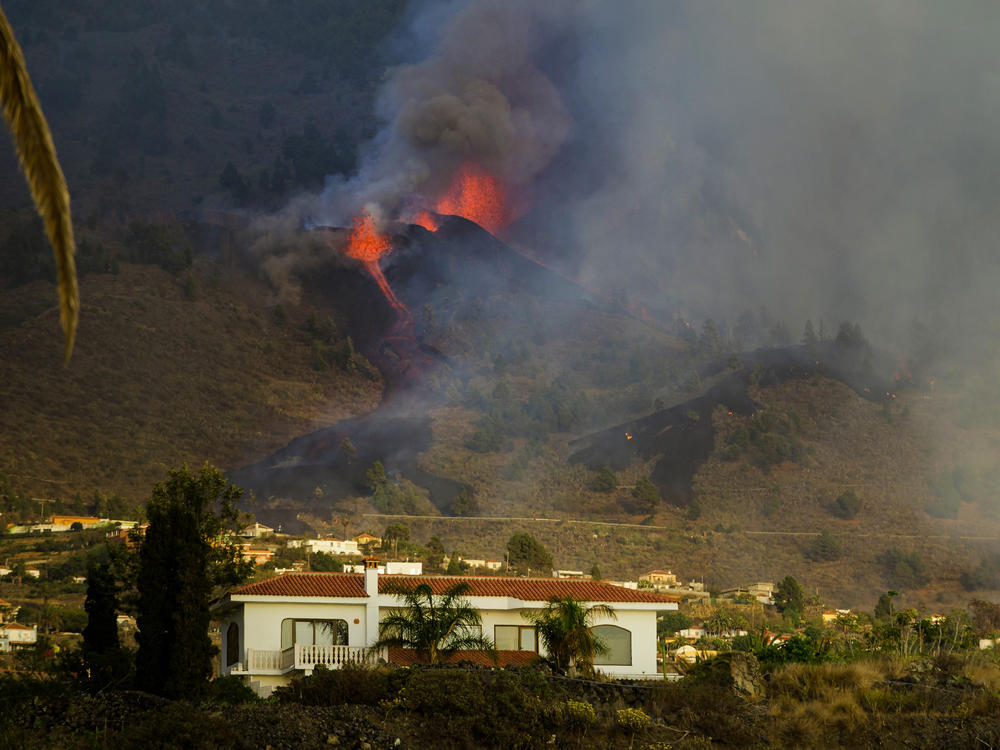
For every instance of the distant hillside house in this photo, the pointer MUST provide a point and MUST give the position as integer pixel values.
(761, 591)
(659, 578)
(328, 546)
(14, 635)
(283, 627)
(256, 530)
(65, 523)
(257, 556)
(475, 562)
(366, 538)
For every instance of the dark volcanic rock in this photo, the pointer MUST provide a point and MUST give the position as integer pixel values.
(681, 437)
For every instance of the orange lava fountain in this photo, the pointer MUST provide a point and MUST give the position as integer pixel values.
(367, 244)
(478, 196)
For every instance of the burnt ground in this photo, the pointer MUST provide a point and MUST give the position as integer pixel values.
(682, 436)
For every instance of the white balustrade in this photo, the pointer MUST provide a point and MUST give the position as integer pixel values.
(299, 656)
(332, 657)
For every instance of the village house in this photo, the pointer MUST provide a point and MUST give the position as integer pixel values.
(257, 555)
(690, 654)
(367, 539)
(282, 627)
(327, 546)
(256, 530)
(760, 591)
(657, 578)
(14, 635)
(475, 562)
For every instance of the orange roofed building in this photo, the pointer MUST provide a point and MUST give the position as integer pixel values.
(283, 627)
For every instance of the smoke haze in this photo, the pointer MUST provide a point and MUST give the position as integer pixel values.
(827, 160)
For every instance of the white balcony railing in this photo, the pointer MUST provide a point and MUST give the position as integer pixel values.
(300, 657)
(331, 657)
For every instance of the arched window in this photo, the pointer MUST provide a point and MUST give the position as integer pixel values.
(232, 644)
(619, 643)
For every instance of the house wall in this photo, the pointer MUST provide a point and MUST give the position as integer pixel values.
(235, 616)
(262, 620)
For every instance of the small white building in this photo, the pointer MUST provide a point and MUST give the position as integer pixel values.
(256, 530)
(15, 635)
(282, 627)
(328, 546)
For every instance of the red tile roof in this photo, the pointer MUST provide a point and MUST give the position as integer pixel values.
(14, 626)
(527, 589)
(404, 657)
(306, 584)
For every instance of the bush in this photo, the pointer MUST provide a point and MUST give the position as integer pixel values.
(351, 684)
(632, 720)
(579, 714)
(904, 571)
(605, 480)
(824, 548)
(231, 689)
(847, 505)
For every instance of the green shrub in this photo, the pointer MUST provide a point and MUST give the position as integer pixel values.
(632, 720)
(579, 714)
(231, 689)
(353, 683)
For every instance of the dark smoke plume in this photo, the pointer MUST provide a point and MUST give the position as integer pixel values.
(479, 96)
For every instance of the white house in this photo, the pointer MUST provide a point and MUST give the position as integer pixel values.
(283, 627)
(14, 634)
(328, 546)
(256, 530)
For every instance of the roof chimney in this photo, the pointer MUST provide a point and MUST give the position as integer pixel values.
(372, 603)
(371, 576)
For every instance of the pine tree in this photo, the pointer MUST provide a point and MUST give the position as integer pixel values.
(189, 548)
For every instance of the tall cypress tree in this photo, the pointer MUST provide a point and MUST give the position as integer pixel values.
(100, 637)
(189, 549)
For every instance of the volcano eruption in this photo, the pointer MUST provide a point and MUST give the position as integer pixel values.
(451, 271)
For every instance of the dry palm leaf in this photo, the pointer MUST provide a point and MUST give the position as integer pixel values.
(37, 155)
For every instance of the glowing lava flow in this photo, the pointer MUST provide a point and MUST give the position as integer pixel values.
(478, 196)
(366, 244)
(399, 353)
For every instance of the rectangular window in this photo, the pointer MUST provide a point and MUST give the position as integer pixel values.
(313, 632)
(515, 638)
(528, 641)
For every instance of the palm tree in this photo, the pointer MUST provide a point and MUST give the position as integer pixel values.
(564, 628)
(434, 626)
(37, 155)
